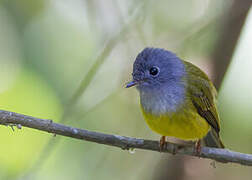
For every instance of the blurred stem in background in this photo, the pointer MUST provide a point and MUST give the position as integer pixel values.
(230, 25)
(98, 61)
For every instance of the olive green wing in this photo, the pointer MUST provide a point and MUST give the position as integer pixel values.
(203, 95)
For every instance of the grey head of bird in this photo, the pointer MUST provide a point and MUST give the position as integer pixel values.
(157, 74)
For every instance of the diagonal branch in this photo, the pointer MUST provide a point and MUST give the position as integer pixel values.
(98, 61)
(125, 143)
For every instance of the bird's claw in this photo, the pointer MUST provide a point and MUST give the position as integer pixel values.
(162, 144)
(197, 147)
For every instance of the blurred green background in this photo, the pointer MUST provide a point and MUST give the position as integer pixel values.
(69, 61)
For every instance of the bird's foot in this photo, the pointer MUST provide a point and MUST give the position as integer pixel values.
(162, 143)
(197, 147)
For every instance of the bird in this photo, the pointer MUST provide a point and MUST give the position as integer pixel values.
(177, 98)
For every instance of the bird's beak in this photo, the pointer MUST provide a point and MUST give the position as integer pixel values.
(130, 84)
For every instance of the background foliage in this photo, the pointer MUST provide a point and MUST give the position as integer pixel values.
(47, 48)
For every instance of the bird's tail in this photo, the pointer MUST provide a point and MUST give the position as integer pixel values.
(212, 139)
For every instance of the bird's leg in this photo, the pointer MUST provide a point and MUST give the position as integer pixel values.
(162, 143)
(197, 147)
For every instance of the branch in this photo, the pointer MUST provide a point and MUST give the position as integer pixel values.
(125, 143)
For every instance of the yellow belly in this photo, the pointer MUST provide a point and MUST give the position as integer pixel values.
(185, 124)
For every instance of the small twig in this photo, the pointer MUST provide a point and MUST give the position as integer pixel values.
(125, 143)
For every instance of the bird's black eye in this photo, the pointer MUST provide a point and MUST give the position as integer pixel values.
(154, 71)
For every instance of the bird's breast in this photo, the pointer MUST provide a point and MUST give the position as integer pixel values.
(173, 114)
(162, 101)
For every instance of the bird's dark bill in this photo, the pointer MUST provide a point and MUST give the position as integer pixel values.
(130, 84)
